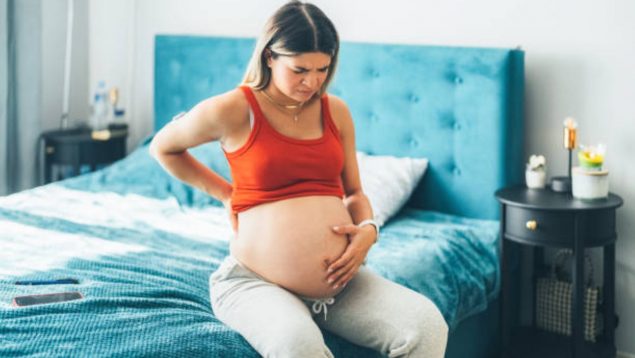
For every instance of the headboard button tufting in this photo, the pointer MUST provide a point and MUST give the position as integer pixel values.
(177, 101)
(458, 80)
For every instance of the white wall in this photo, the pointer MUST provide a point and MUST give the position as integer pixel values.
(112, 52)
(54, 14)
(579, 62)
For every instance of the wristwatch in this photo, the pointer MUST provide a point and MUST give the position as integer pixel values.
(370, 222)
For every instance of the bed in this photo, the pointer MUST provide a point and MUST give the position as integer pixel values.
(143, 244)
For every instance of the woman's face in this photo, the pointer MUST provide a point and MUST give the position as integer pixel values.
(299, 77)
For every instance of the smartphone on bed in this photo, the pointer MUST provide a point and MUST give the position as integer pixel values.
(30, 300)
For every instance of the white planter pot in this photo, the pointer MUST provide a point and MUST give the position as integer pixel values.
(589, 184)
(535, 179)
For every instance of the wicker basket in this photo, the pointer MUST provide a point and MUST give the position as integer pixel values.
(553, 300)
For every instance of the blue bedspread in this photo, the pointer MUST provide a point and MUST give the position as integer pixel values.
(142, 245)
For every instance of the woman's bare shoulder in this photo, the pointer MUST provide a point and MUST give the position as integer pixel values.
(211, 119)
(339, 112)
(229, 107)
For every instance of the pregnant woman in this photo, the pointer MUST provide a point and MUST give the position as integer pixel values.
(302, 224)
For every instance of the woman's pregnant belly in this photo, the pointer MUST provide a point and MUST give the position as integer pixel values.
(291, 242)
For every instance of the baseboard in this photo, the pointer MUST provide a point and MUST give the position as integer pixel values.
(625, 355)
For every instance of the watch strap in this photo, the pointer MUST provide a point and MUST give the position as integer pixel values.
(370, 222)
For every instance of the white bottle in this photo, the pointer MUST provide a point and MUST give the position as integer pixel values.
(99, 119)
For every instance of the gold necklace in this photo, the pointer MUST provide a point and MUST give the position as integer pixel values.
(285, 107)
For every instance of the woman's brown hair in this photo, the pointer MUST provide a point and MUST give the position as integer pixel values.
(295, 28)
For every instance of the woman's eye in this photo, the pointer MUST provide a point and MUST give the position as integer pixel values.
(322, 70)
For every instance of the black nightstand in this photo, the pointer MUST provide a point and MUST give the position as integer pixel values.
(78, 147)
(543, 218)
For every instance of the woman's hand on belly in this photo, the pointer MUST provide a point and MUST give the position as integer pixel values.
(347, 265)
(291, 242)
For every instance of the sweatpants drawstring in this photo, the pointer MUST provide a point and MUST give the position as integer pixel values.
(320, 305)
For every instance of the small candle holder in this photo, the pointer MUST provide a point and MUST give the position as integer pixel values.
(562, 184)
(536, 173)
(590, 181)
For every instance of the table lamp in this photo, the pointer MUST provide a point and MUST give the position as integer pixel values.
(562, 184)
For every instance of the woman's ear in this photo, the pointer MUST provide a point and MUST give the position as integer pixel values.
(268, 58)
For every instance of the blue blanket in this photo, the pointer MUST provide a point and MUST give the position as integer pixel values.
(143, 245)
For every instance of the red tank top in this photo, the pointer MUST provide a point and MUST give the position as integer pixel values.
(271, 166)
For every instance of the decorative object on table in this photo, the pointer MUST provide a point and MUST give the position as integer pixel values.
(535, 173)
(99, 115)
(591, 157)
(116, 115)
(106, 116)
(113, 99)
(590, 181)
(553, 300)
(563, 183)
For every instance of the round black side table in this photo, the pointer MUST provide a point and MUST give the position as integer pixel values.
(543, 218)
(77, 147)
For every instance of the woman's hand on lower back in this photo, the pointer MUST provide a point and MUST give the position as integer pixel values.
(233, 217)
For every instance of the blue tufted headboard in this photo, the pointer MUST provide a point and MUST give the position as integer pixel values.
(462, 108)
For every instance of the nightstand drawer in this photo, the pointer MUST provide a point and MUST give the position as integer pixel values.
(555, 227)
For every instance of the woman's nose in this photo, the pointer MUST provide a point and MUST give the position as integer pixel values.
(311, 80)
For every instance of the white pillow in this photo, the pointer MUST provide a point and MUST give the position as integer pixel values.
(389, 181)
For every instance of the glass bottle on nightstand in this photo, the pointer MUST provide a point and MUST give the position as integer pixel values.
(99, 116)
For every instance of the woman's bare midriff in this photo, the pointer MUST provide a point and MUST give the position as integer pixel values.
(291, 242)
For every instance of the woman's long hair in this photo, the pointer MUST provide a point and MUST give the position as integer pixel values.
(295, 28)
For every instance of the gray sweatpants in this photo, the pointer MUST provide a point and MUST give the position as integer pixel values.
(370, 311)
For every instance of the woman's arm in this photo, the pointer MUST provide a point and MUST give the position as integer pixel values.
(209, 120)
(357, 203)
(355, 200)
